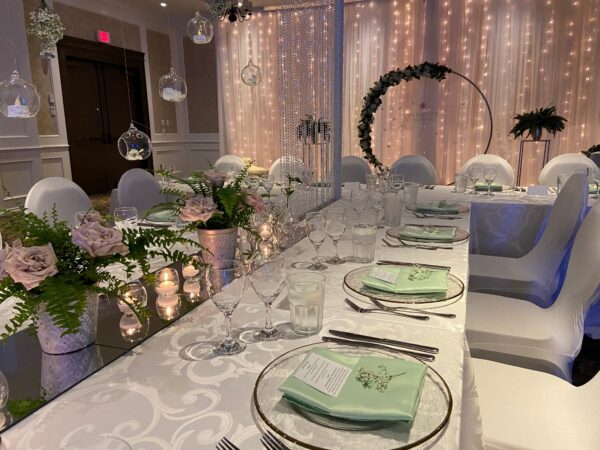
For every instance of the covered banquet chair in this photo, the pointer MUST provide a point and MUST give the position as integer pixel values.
(65, 195)
(567, 164)
(230, 163)
(415, 168)
(535, 275)
(525, 409)
(286, 165)
(355, 168)
(139, 188)
(505, 174)
(520, 333)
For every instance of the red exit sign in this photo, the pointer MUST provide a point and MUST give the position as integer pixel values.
(103, 36)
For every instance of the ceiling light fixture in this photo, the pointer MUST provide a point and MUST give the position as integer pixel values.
(233, 10)
(163, 4)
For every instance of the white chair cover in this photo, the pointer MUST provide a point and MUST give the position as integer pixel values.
(520, 333)
(523, 409)
(230, 163)
(355, 168)
(415, 168)
(139, 188)
(567, 163)
(286, 165)
(505, 174)
(68, 197)
(534, 276)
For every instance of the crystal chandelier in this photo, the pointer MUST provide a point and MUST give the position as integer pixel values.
(18, 98)
(233, 10)
(171, 87)
(199, 29)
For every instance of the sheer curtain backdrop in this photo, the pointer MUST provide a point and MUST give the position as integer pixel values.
(524, 54)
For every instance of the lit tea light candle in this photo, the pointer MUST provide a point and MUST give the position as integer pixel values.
(192, 291)
(265, 232)
(168, 306)
(135, 294)
(167, 282)
(129, 326)
(189, 271)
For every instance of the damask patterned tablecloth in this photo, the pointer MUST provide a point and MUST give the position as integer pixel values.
(156, 398)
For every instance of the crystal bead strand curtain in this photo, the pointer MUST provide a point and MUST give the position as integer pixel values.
(249, 113)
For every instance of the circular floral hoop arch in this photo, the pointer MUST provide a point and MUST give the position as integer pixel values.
(372, 101)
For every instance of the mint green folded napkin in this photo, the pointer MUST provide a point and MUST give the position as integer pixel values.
(161, 216)
(430, 232)
(438, 207)
(484, 187)
(398, 401)
(409, 280)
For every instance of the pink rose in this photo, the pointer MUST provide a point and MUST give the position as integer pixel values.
(255, 201)
(30, 265)
(215, 178)
(198, 208)
(97, 240)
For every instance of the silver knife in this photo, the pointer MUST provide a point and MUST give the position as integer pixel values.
(419, 347)
(400, 263)
(420, 356)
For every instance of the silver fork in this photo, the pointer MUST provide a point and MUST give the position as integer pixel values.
(428, 216)
(272, 443)
(401, 308)
(360, 309)
(422, 247)
(226, 444)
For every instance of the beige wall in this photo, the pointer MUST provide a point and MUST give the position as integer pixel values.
(201, 76)
(159, 63)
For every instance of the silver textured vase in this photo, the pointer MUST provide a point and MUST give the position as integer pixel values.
(50, 337)
(217, 245)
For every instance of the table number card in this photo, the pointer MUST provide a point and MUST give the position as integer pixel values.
(322, 374)
(383, 275)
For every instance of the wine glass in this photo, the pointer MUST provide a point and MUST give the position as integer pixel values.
(267, 185)
(396, 182)
(268, 279)
(475, 173)
(489, 175)
(336, 226)
(126, 217)
(315, 231)
(225, 284)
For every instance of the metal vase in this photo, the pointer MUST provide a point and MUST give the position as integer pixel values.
(50, 337)
(217, 245)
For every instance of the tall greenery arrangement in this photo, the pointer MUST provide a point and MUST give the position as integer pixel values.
(541, 118)
(76, 263)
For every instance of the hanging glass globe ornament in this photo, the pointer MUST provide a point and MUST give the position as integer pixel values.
(199, 29)
(134, 145)
(171, 87)
(251, 75)
(18, 98)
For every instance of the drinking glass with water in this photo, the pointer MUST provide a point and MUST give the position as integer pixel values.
(306, 296)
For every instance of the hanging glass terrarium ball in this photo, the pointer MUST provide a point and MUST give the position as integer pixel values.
(18, 98)
(251, 74)
(200, 30)
(171, 87)
(134, 145)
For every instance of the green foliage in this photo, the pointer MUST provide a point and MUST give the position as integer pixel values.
(22, 408)
(545, 118)
(64, 296)
(591, 150)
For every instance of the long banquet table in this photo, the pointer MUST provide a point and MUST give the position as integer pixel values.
(156, 398)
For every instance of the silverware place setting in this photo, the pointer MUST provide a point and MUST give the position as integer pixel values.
(385, 341)
(426, 357)
(401, 243)
(419, 215)
(226, 444)
(405, 309)
(270, 442)
(362, 310)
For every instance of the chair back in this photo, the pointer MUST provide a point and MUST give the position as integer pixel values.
(581, 288)
(355, 168)
(66, 196)
(230, 163)
(505, 174)
(139, 188)
(567, 163)
(286, 165)
(415, 168)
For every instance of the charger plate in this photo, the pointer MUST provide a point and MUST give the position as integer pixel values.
(309, 430)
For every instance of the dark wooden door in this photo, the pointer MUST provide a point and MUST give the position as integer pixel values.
(97, 112)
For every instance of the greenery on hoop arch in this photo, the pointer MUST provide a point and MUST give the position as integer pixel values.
(372, 100)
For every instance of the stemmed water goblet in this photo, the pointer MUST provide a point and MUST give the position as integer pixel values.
(268, 186)
(489, 175)
(226, 283)
(336, 226)
(268, 279)
(316, 233)
(475, 173)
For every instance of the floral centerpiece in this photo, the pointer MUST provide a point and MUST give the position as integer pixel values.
(216, 208)
(46, 25)
(55, 274)
(533, 122)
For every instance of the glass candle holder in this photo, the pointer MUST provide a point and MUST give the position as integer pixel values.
(190, 271)
(168, 306)
(132, 330)
(192, 291)
(136, 293)
(167, 282)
